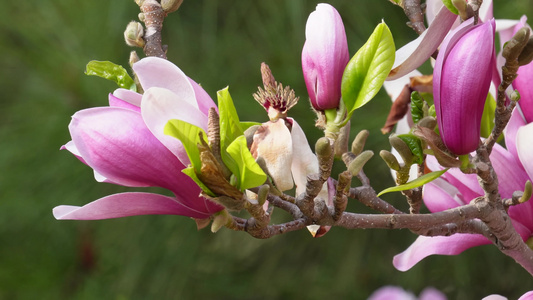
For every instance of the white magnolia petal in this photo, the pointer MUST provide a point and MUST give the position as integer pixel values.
(160, 106)
(415, 53)
(273, 143)
(158, 72)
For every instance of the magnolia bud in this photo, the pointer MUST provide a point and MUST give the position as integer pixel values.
(359, 142)
(323, 148)
(359, 162)
(390, 160)
(402, 148)
(170, 5)
(528, 190)
(134, 34)
(526, 56)
(222, 219)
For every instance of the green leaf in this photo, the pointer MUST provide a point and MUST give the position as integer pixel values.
(367, 70)
(487, 120)
(449, 5)
(230, 127)
(415, 145)
(250, 173)
(417, 107)
(189, 171)
(111, 71)
(420, 181)
(189, 135)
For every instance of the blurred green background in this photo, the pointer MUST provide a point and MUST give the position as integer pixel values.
(44, 48)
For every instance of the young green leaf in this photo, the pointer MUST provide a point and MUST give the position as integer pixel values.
(111, 71)
(367, 70)
(420, 181)
(414, 145)
(189, 135)
(417, 107)
(250, 173)
(449, 5)
(230, 126)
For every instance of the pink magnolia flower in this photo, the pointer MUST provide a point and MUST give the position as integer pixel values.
(461, 81)
(513, 168)
(324, 56)
(397, 293)
(124, 144)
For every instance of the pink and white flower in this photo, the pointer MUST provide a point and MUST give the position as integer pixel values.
(124, 144)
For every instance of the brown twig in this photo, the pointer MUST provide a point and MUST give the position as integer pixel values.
(153, 19)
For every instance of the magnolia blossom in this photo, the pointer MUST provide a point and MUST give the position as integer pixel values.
(124, 144)
(324, 57)
(461, 81)
(513, 168)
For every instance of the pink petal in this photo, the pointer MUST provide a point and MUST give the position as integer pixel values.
(467, 184)
(116, 143)
(125, 205)
(524, 147)
(158, 72)
(511, 175)
(527, 296)
(129, 96)
(117, 102)
(431, 294)
(444, 245)
(512, 127)
(414, 54)
(391, 293)
(440, 195)
(202, 98)
(160, 106)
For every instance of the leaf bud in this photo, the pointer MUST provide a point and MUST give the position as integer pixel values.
(428, 122)
(390, 160)
(528, 190)
(221, 219)
(170, 5)
(133, 35)
(359, 162)
(526, 56)
(402, 148)
(359, 142)
(323, 148)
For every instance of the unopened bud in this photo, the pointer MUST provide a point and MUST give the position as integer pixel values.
(526, 56)
(170, 5)
(402, 149)
(528, 190)
(513, 48)
(249, 135)
(323, 148)
(428, 122)
(359, 162)
(359, 142)
(222, 219)
(263, 194)
(515, 95)
(390, 160)
(134, 34)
